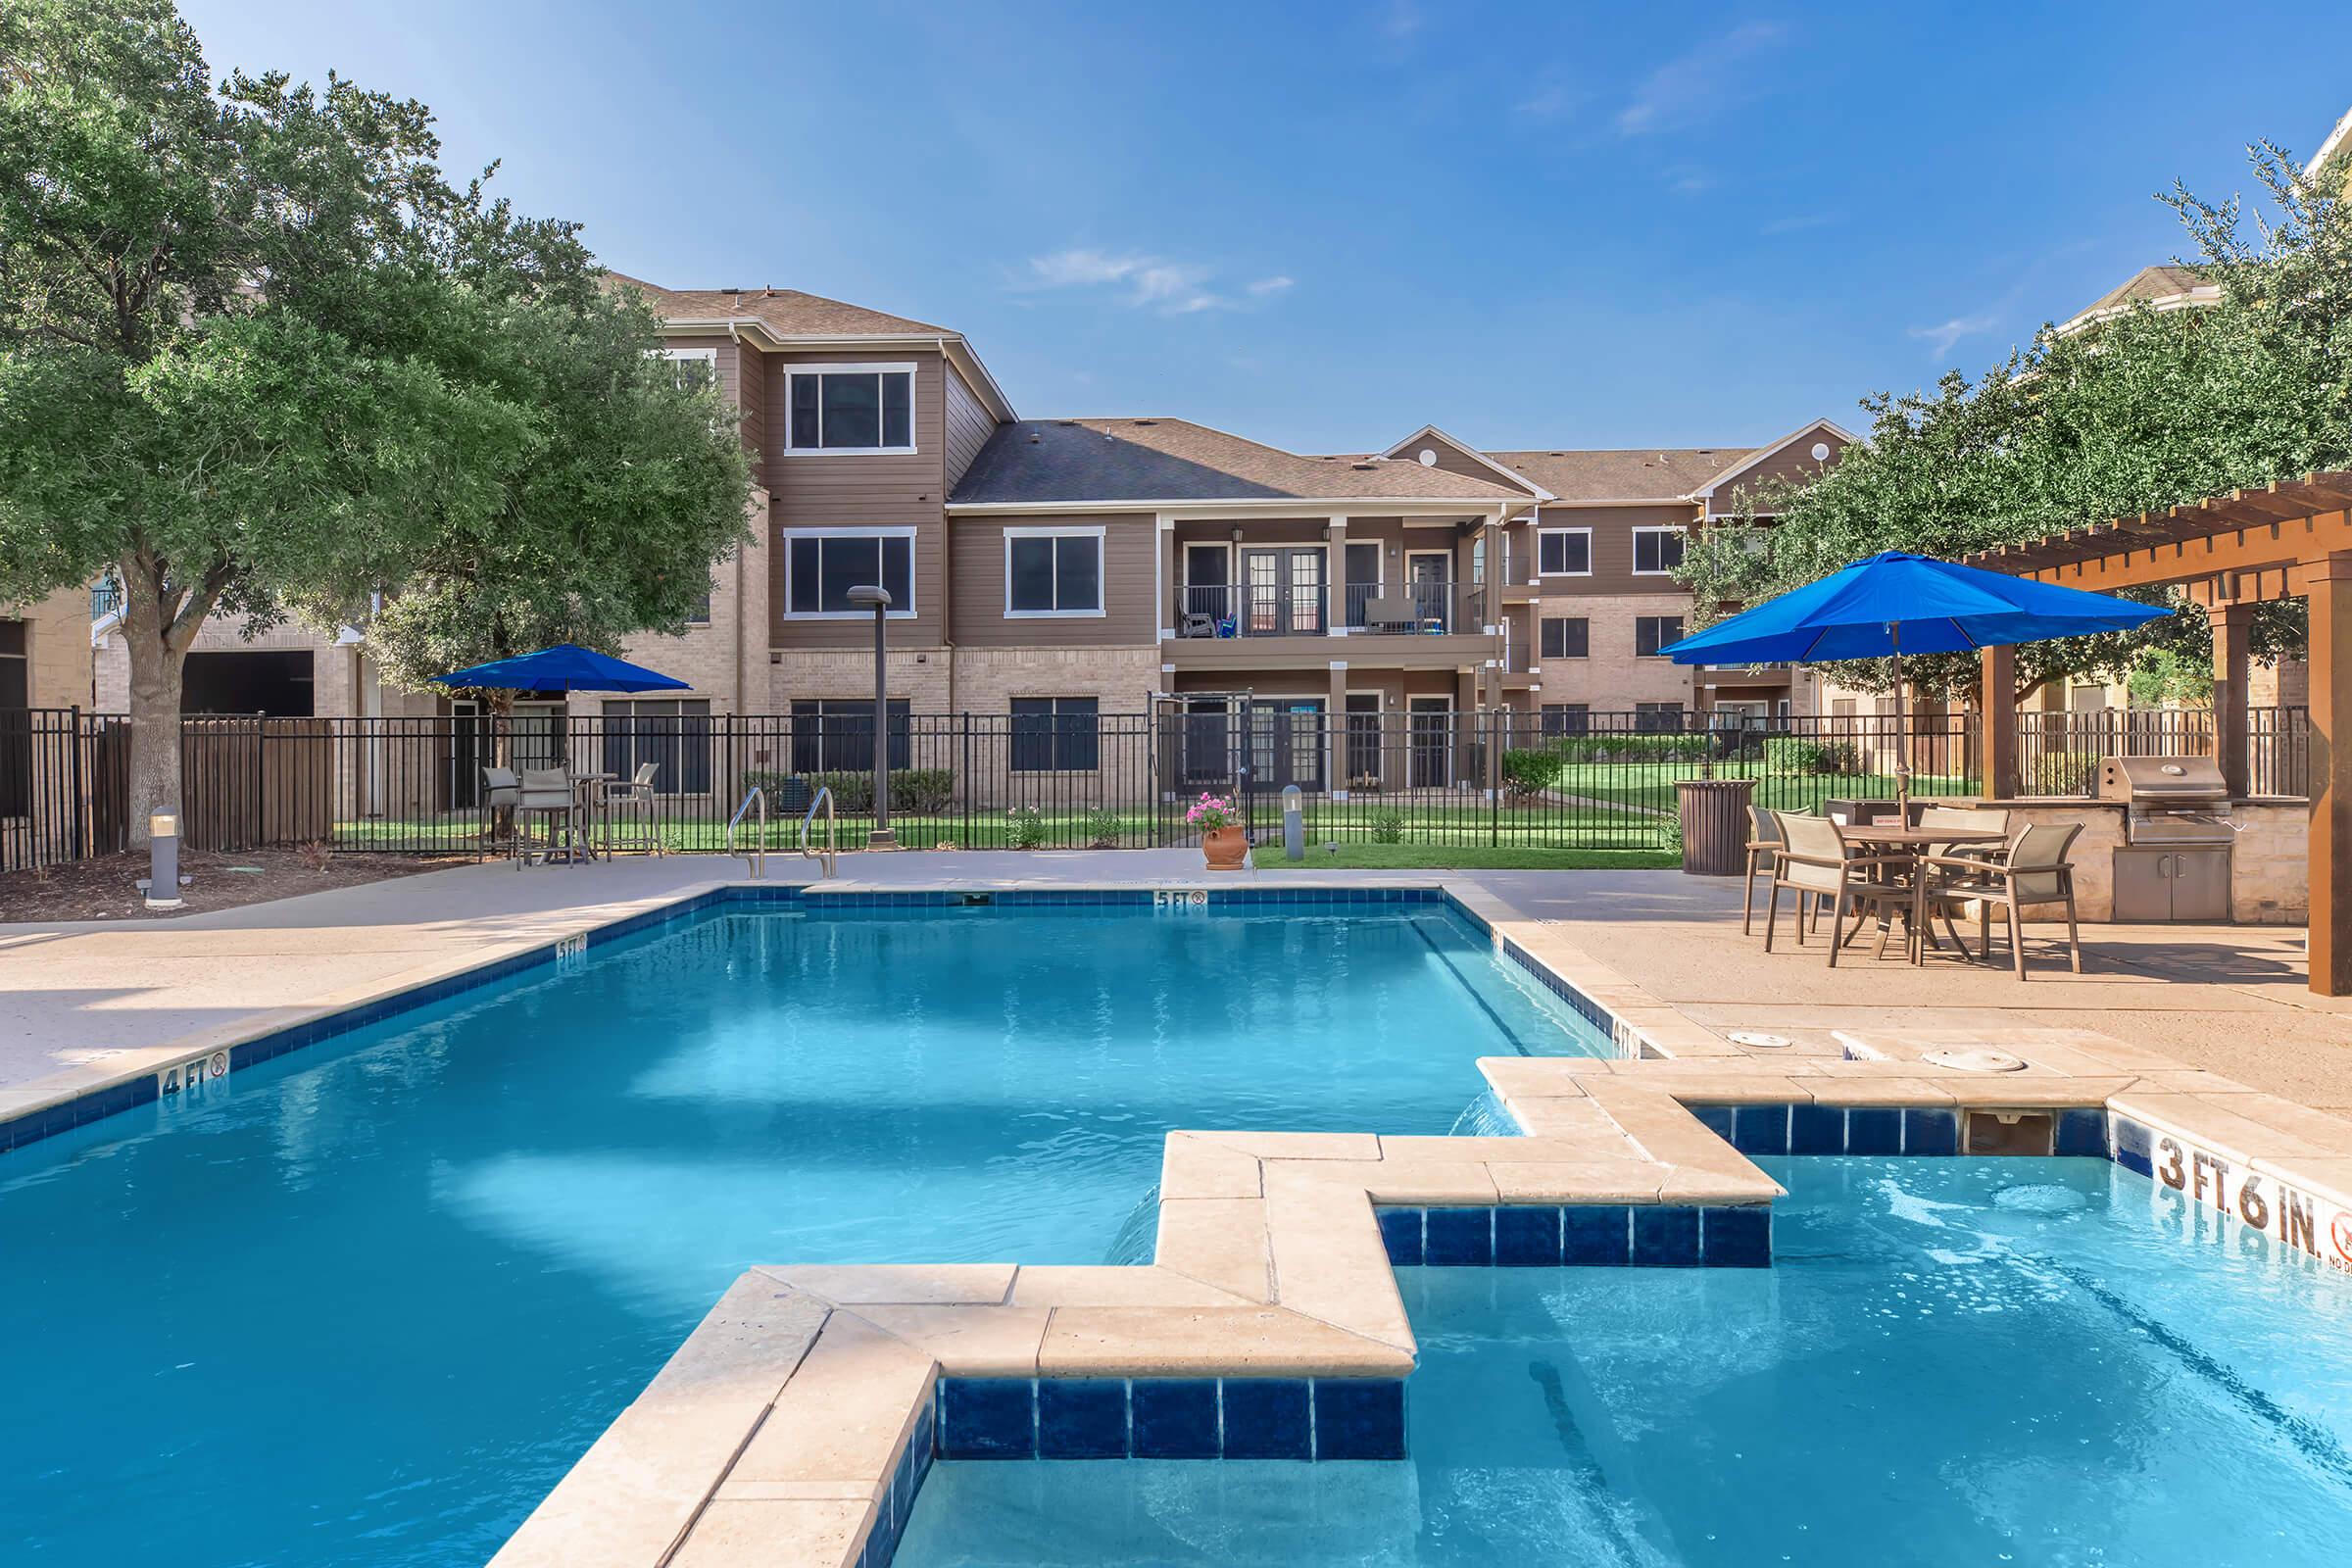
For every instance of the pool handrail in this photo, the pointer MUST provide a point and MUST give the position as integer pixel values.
(755, 864)
(826, 856)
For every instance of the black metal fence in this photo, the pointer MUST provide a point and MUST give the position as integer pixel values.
(61, 785)
(2059, 754)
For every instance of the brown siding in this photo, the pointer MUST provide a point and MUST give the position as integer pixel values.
(886, 491)
(1612, 547)
(977, 559)
(968, 426)
(1450, 459)
(750, 392)
(1793, 462)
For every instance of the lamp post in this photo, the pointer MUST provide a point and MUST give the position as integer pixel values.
(878, 601)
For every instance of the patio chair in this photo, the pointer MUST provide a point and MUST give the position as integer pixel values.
(2035, 872)
(1815, 860)
(546, 794)
(1763, 845)
(631, 802)
(502, 790)
(1966, 820)
(1198, 623)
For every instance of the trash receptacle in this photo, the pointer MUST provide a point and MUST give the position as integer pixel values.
(1714, 824)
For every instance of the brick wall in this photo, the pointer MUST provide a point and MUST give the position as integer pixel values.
(1119, 679)
(56, 638)
(1611, 677)
(921, 675)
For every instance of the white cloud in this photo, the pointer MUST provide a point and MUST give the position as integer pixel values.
(1694, 84)
(1145, 282)
(1945, 334)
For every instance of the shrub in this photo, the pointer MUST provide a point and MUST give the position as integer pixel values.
(1028, 828)
(1388, 827)
(1102, 828)
(2065, 773)
(1674, 746)
(1529, 772)
(916, 791)
(1797, 756)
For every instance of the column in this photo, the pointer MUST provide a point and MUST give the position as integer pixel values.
(1334, 575)
(1334, 732)
(1997, 708)
(2232, 641)
(2330, 602)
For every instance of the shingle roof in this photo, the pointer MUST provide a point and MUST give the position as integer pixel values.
(1040, 461)
(2161, 282)
(787, 310)
(1647, 473)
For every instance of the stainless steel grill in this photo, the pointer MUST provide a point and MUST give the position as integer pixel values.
(2169, 800)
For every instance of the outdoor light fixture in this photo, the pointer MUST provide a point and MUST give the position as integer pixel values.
(163, 861)
(877, 600)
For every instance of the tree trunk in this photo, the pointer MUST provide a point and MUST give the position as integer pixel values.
(156, 667)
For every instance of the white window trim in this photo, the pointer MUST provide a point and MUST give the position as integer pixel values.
(1541, 654)
(785, 537)
(853, 368)
(1059, 532)
(1542, 573)
(1656, 527)
(706, 356)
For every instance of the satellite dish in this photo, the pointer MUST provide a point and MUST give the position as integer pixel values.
(1821, 452)
(1429, 458)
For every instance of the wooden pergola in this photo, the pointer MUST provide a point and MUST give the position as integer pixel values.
(2290, 539)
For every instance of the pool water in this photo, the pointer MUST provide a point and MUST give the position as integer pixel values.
(367, 1305)
(1951, 1362)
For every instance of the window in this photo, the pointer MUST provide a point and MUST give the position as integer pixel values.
(837, 736)
(671, 733)
(699, 615)
(693, 368)
(1657, 551)
(822, 565)
(1654, 632)
(1564, 553)
(1567, 718)
(1661, 718)
(1567, 637)
(850, 407)
(1055, 734)
(1053, 571)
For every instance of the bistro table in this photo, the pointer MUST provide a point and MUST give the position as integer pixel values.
(591, 805)
(1918, 840)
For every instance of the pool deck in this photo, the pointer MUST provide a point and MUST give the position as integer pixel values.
(785, 1430)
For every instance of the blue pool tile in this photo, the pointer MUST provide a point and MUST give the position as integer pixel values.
(1931, 1130)
(986, 1418)
(1595, 1236)
(1736, 1237)
(1717, 1119)
(1453, 1235)
(1360, 1418)
(1082, 1418)
(1175, 1418)
(1527, 1238)
(1816, 1130)
(1874, 1130)
(1665, 1235)
(2081, 1132)
(1267, 1418)
(2135, 1149)
(1401, 1234)
(1760, 1129)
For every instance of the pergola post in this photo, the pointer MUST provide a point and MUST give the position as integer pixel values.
(2330, 603)
(1996, 703)
(2233, 643)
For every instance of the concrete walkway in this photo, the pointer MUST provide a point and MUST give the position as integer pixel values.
(84, 1000)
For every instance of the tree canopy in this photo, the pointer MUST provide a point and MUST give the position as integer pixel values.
(2142, 411)
(258, 354)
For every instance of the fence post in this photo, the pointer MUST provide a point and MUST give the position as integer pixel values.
(1495, 719)
(80, 811)
(966, 791)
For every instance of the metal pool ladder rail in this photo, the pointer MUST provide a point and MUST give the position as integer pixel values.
(755, 863)
(824, 857)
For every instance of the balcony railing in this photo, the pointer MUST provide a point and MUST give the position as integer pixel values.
(106, 598)
(1262, 609)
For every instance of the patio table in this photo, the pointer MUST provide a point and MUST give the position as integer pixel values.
(1897, 837)
(595, 810)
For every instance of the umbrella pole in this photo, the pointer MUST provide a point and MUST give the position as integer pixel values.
(1902, 728)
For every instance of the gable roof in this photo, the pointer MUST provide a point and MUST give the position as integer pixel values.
(1043, 461)
(2167, 287)
(1747, 460)
(1625, 473)
(1431, 433)
(787, 311)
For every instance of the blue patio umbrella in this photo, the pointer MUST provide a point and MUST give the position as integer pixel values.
(565, 667)
(1893, 604)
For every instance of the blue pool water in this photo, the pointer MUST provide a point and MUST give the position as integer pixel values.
(1951, 1362)
(367, 1305)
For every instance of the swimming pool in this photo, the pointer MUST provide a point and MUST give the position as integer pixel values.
(1951, 1362)
(366, 1303)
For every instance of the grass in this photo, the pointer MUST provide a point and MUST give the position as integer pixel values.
(1467, 857)
(1649, 786)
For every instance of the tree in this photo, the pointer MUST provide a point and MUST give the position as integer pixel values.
(2139, 413)
(257, 356)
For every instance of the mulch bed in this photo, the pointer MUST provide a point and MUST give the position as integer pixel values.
(107, 888)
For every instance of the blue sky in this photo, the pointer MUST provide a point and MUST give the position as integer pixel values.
(1324, 226)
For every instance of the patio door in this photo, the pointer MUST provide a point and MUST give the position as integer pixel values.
(1287, 743)
(1363, 584)
(1207, 582)
(1364, 762)
(1429, 580)
(1284, 589)
(1431, 761)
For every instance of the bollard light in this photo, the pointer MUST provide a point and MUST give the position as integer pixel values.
(163, 861)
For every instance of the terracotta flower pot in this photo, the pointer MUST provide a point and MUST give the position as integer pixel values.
(1225, 848)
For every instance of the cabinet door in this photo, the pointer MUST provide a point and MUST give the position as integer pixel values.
(2201, 885)
(2143, 885)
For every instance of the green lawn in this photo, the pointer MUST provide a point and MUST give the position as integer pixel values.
(1361, 856)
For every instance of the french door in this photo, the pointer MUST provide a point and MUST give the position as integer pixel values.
(1285, 592)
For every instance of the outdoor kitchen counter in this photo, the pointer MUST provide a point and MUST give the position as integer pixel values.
(2270, 878)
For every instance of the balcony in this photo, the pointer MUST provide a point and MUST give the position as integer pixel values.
(1228, 610)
